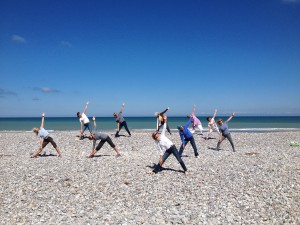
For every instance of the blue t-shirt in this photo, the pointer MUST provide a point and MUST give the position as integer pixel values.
(224, 129)
(43, 133)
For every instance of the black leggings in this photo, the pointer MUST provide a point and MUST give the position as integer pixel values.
(123, 124)
(172, 150)
(47, 140)
(101, 143)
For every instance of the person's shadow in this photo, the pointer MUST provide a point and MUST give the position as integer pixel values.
(214, 149)
(44, 155)
(98, 156)
(167, 169)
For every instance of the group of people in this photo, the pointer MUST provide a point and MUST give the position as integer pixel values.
(165, 145)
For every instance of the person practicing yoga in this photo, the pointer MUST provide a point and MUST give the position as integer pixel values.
(186, 136)
(164, 143)
(95, 136)
(160, 120)
(44, 139)
(196, 123)
(224, 132)
(84, 121)
(121, 122)
(212, 125)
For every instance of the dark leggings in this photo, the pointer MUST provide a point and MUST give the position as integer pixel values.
(173, 150)
(47, 140)
(224, 136)
(101, 143)
(192, 140)
(123, 124)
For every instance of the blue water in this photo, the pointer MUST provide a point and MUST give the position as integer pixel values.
(252, 123)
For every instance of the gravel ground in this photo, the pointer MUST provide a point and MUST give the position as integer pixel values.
(258, 184)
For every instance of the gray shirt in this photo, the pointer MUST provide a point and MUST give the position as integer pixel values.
(99, 136)
(120, 118)
(224, 129)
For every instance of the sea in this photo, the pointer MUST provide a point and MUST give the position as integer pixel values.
(237, 124)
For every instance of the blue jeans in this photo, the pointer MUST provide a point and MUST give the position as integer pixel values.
(86, 126)
(172, 150)
(192, 140)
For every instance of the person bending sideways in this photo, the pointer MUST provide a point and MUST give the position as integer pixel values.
(95, 136)
(121, 122)
(44, 139)
(186, 136)
(84, 121)
(212, 125)
(164, 143)
(160, 120)
(224, 132)
(196, 123)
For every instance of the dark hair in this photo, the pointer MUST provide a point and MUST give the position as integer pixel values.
(154, 134)
(207, 118)
(78, 113)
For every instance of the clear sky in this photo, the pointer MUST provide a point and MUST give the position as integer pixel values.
(232, 55)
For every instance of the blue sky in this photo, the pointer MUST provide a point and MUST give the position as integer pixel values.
(241, 56)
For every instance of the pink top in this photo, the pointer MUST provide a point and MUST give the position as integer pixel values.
(195, 121)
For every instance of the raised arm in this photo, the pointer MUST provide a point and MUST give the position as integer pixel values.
(165, 111)
(194, 110)
(95, 125)
(43, 119)
(86, 106)
(215, 114)
(122, 108)
(188, 123)
(232, 115)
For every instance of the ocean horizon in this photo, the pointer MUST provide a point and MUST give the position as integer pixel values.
(238, 123)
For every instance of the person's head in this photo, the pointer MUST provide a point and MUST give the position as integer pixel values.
(115, 115)
(156, 114)
(155, 136)
(180, 128)
(91, 137)
(36, 130)
(189, 116)
(220, 122)
(208, 119)
(78, 114)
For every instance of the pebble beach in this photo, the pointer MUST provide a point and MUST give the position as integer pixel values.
(258, 184)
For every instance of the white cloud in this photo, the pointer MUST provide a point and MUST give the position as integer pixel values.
(46, 89)
(19, 39)
(66, 44)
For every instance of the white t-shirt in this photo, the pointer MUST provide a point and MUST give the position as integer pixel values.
(212, 124)
(84, 119)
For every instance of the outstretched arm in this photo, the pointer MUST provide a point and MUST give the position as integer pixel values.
(43, 119)
(86, 106)
(122, 108)
(215, 114)
(165, 111)
(232, 115)
(95, 125)
(194, 110)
